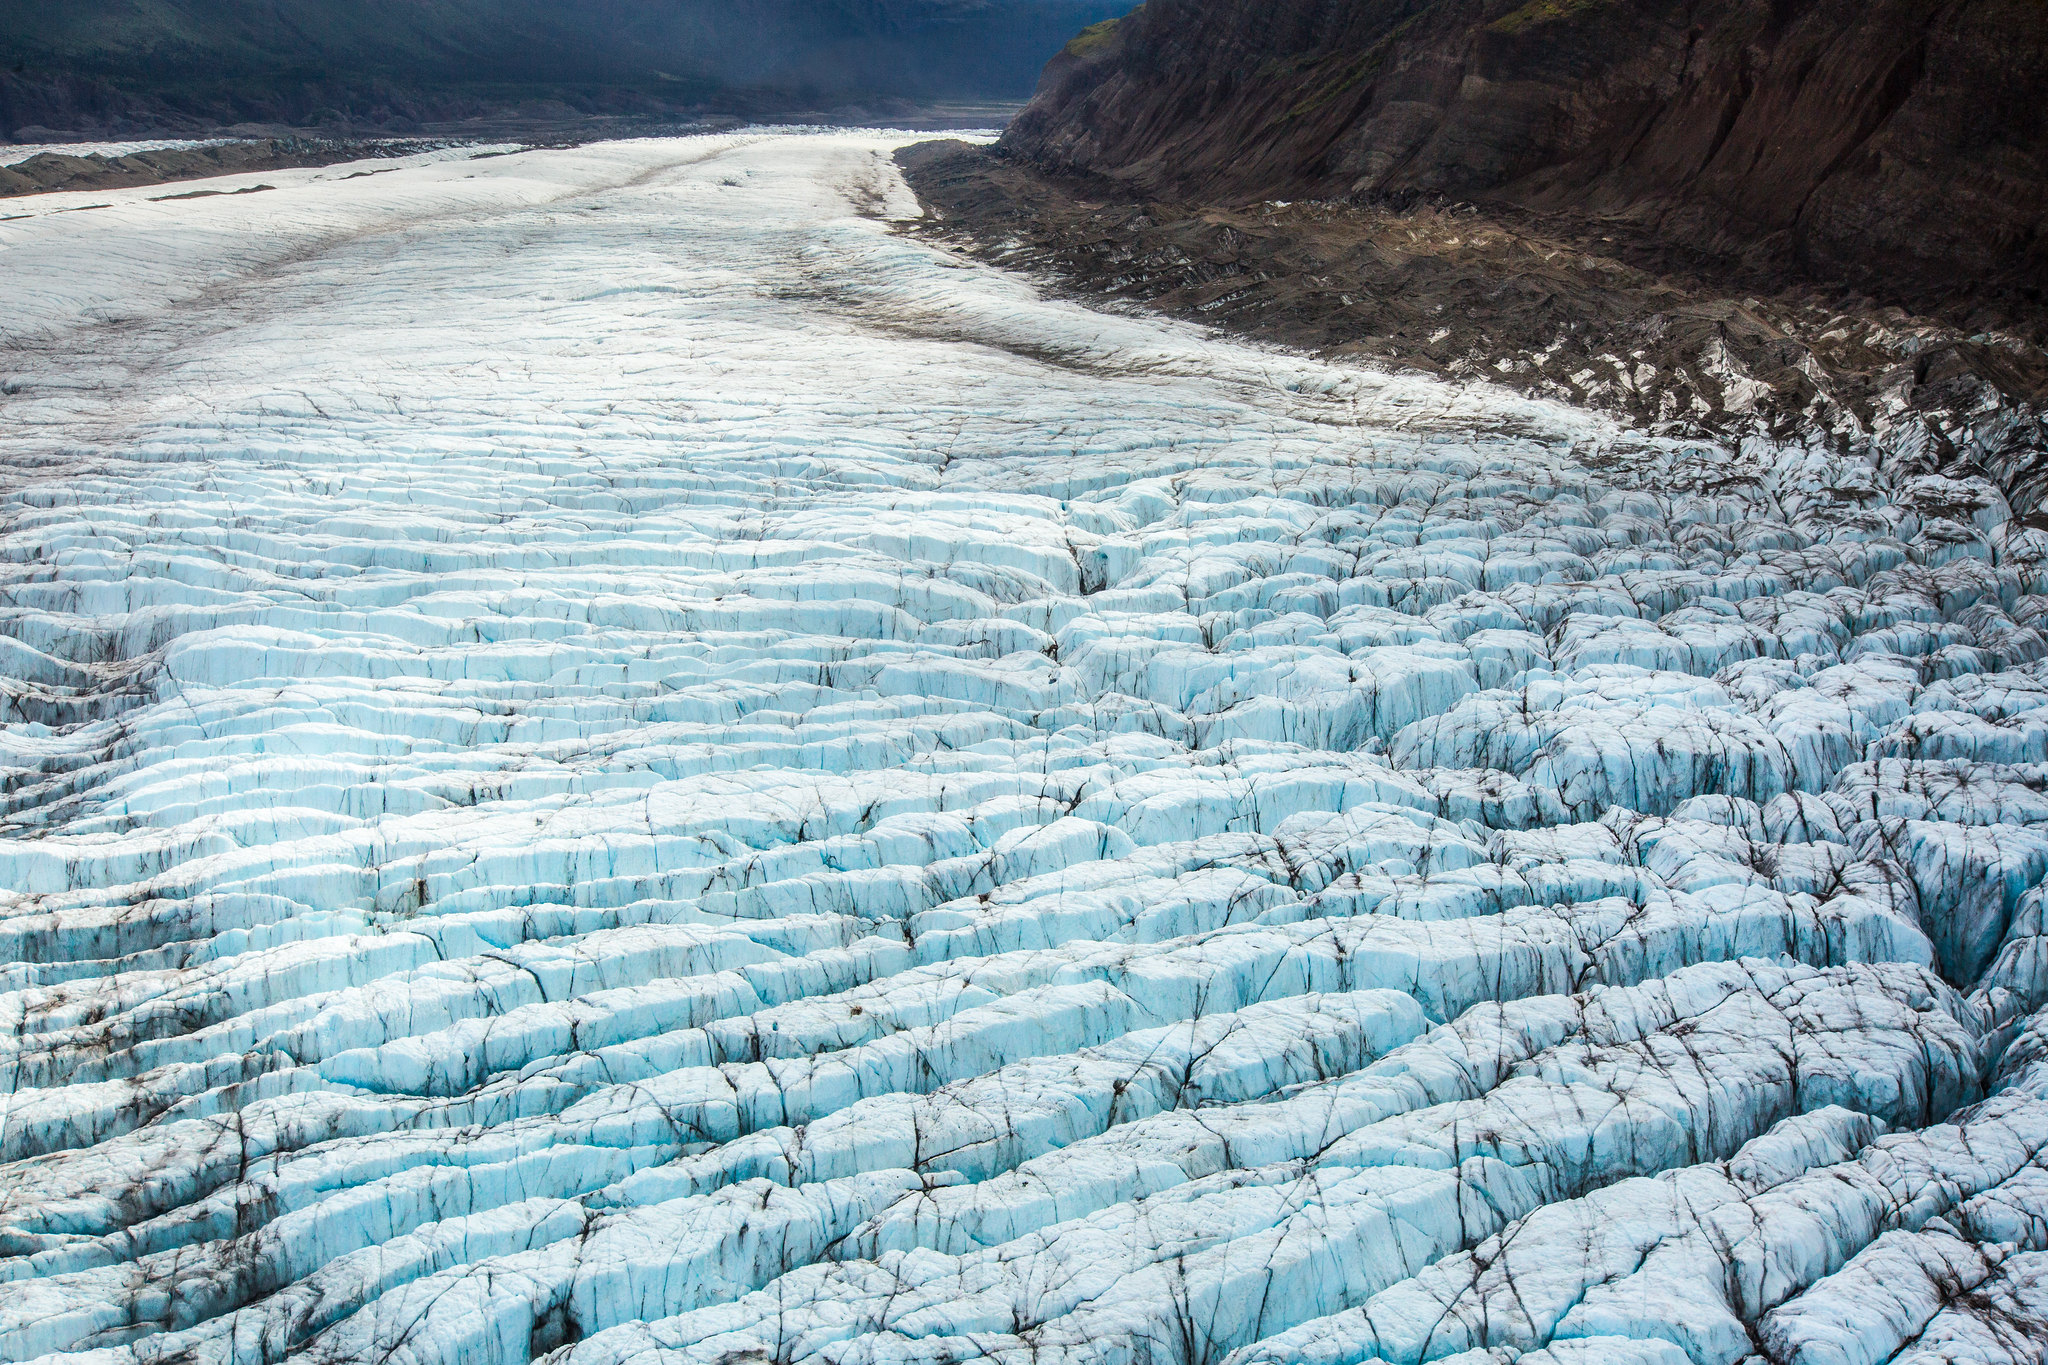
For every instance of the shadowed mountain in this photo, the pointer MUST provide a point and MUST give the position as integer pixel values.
(74, 64)
(1897, 142)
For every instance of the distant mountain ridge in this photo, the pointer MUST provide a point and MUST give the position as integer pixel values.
(1897, 142)
(81, 61)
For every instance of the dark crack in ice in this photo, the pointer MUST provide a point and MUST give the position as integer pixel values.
(608, 760)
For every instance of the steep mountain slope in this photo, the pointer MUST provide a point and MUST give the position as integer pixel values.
(1900, 143)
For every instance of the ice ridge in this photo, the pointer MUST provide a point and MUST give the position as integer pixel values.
(604, 760)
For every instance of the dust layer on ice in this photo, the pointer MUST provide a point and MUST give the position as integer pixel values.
(607, 760)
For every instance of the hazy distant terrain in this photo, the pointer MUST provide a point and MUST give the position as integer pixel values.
(130, 63)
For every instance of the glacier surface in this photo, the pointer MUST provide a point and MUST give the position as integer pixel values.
(609, 760)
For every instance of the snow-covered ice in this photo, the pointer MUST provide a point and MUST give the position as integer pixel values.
(608, 758)
(14, 153)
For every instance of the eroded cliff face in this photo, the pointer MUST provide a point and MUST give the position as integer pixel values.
(1901, 145)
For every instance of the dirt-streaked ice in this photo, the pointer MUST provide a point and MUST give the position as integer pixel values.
(608, 758)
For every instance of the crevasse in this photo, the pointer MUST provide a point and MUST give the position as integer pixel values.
(608, 759)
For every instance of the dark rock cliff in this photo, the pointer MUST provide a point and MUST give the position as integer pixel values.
(1901, 145)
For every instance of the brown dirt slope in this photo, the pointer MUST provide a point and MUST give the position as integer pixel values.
(1898, 144)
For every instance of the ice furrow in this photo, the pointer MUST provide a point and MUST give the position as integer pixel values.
(604, 758)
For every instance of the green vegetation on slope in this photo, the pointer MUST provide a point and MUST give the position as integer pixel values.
(1092, 39)
(1538, 12)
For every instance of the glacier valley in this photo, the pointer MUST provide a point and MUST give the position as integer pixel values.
(609, 760)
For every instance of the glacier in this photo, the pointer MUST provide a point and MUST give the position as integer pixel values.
(610, 758)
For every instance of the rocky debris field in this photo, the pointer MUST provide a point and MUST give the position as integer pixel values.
(610, 757)
(1549, 305)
